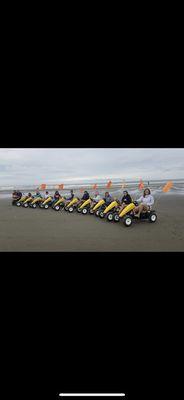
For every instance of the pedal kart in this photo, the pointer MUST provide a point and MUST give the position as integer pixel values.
(36, 202)
(27, 202)
(84, 207)
(127, 215)
(46, 203)
(95, 209)
(59, 204)
(109, 211)
(71, 205)
(15, 198)
(20, 202)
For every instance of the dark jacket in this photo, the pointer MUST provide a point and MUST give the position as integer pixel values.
(126, 199)
(85, 196)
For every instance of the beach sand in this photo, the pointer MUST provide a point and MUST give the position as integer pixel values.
(46, 230)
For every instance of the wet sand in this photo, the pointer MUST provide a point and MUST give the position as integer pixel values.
(46, 230)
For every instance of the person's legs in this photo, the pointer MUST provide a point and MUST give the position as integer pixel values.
(123, 205)
(142, 207)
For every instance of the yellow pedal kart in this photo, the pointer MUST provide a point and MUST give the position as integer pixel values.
(84, 207)
(27, 202)
(59, 204)
(71, 205)
(36, 202)
(127, 215)
(46, 203)
(95, 209)
(109, 211)
(21, 201)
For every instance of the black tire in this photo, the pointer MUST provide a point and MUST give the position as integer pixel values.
(79, 210)
(18, 204)
(110, 217)
(116, 218)
(71, 209)
(34, 205)
(84, 211)
(97, 213)
(26, 205)
(127, 220)
(46, 206)
(91, 211)
(57, 208)
(152, 217)
(66, 208)
(101, 214)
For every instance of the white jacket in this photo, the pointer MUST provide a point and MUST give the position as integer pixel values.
(148, 200)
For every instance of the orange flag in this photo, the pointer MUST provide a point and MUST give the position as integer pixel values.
(109, 184)
(95, 186)
(141, 185)
(167, 187)
(43, 186)
(61, 186)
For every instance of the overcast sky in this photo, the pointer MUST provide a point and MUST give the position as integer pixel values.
(35, 166)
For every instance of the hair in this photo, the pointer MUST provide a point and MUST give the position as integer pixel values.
(144, 193)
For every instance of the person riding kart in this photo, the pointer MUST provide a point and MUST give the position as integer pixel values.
(37, 194)
(146, 202)
(69, 197)
(16, 195)
(46, 195)
(47, 201)
(108, 198)
(126, 199)
(56, 197)
(95, 199)
(37, 199)
(83, 198)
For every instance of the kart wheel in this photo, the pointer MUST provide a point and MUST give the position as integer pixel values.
(57, 208)
(71, 209)
(101, 214)
(46, 206)
(84, 211)
(91, 212)
(97, 213)
(110, 217)
(79, 210)
(66, 208)
(18, 204)
(26, 205)
(127, 220)
(34, 205)
(116, 218)
(153, 217)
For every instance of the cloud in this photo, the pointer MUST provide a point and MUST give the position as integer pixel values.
(34, 166)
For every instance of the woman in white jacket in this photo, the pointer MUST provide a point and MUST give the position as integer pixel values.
(146, 202)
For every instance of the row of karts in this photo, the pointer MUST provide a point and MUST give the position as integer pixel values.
(112, 211)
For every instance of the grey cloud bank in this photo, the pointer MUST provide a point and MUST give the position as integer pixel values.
(35, 166)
